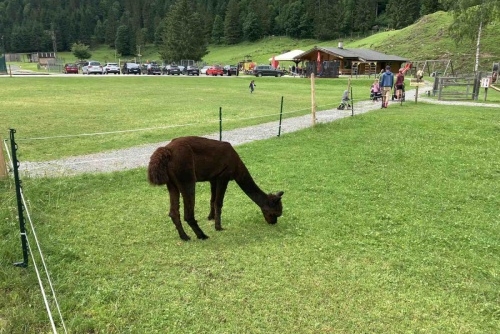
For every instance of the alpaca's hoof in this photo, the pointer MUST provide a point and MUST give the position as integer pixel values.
(219, 228)
(185, 237)
(203, 237)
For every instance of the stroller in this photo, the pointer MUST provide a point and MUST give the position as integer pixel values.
(375, 93)
(395, 97)
(375, 96)
(345, 103)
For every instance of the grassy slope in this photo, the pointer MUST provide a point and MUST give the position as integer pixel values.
(427, 39)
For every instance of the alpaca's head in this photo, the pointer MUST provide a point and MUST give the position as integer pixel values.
(273, 208)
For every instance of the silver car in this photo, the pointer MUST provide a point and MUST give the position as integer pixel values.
(111, 68)
(93, 67)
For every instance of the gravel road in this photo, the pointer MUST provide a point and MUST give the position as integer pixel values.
(134, 157)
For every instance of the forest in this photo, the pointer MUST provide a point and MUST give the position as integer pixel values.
(47, 25)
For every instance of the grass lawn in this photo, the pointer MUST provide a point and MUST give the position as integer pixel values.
(145, 109)
(391, 224)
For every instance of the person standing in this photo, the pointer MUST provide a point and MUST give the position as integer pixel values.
(252, 86)
(386, 82)
(400, 82)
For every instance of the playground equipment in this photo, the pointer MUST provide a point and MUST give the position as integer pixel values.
(433, 67)
(246, 65)
(494, 72)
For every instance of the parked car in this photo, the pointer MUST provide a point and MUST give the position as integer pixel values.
(153, 69)
(70, 68)
(204, 69)
(191, 70)
(171, 70)
(111, 68)
(93, 67)
(266, 70)
(131, 68)
(215, 70)
(230, 70)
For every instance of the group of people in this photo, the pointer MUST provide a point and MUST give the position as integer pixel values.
(383, 86)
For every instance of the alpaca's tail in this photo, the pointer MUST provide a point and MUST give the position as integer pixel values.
(158, 164)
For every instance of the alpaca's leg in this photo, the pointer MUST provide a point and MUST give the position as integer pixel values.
(219, 200)
(174, 211)
(213, 187)
(188, 196)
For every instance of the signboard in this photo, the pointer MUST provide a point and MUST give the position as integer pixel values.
(485, 82)
(417, 82)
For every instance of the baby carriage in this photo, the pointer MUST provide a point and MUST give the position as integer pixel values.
(375, 96)
(375, 93)
(345, 103)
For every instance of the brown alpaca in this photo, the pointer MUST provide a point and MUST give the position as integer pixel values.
(187, 160)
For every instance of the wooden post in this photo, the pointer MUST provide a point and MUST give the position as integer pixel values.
(313, 100)
(416, 93)
(3, 166)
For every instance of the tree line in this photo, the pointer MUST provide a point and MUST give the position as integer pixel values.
(182, 29)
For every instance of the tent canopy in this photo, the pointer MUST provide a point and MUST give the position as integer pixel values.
(287, 56)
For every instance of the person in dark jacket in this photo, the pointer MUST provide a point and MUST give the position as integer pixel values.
(386, 83)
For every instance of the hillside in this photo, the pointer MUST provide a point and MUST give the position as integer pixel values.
(427, 39)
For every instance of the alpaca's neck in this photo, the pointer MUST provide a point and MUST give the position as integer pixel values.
(249, 187)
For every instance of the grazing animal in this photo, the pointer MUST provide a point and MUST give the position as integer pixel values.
(187, 160)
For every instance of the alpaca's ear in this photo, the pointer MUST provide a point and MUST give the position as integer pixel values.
(278, 195)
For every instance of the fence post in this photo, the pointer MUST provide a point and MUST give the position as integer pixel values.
(281, 117)
(3, 166)
(20, 208)
(313, 100)
(220, 123)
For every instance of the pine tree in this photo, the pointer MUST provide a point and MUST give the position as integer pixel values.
(218, 30)
(251, 27)
(183, 35)
(232, 26)
(402, 13)
(123, 42)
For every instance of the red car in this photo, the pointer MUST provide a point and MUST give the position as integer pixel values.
(70, 68)
(215, 70)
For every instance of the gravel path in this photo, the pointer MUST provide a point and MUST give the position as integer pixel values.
(139, 156)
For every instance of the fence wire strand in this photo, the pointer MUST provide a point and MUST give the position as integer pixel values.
(155, 128)
(49, 280)
(35, 265)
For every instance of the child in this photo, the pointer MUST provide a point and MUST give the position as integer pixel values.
(375, 91)
(252, 86)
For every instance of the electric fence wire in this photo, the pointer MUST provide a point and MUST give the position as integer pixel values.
(37, 271)
(158, 127)
(11, 166)
(49, 280)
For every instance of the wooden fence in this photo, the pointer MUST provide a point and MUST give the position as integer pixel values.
(457, 88)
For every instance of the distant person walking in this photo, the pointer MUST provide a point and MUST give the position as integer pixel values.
(400, 82)
(386, 83)
(252, 86)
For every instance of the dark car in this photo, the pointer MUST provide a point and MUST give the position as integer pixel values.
(70, 68)
(171, 70)
(131, 68)
(191, 70)
(230, 70)
(266, 70)
(151, 69)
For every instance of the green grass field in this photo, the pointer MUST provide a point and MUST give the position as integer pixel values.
(391, 223)
(141, 110)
